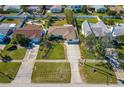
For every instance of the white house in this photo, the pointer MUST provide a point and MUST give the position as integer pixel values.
(98, 8)
(56, 9)
(15, 8)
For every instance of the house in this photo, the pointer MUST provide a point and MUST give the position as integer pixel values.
(98, 29)
(76, 7)
(118, 30)
(68, 32)
(33, 32)
(6, 30)
(56, 9)
(12, 8)
(118, 9)
(97, 8)
(35, 7)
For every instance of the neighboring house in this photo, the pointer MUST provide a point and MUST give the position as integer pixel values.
(12, 8)
(98, 29)
(33, 32)
(118, 30)
(68, 32)
(118, 9)
(6, 30)
(56, 9)
(35, 7)
(97, 8)
(76, 7)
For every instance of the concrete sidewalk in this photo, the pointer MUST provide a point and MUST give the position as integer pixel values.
(64, 60)
(25, 72)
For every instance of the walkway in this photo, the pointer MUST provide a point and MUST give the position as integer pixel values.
(73, 55)
(24, 74)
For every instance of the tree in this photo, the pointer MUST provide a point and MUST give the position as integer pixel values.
(120, 38)
(22, 40)
(84, 10)
(70, 17)
(111, 12)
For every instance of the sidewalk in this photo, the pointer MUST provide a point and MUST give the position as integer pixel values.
(24, 74)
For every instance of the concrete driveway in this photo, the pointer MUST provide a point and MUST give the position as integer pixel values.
(25, 71)
(73, 55)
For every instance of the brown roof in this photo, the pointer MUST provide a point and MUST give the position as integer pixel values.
(116, 8)
(29, 31)
(68, 32)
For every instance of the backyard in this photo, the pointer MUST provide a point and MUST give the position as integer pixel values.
(97, 73)
(8, 71)
(16, 21)
(51, 73)
(56, 51)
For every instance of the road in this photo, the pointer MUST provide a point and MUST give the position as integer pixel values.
(25, 71)
(73, 55)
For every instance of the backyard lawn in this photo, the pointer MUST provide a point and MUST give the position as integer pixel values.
(51, 73)
(97, 73)
(16, 21)
(56, 52)
(59, 22)
(8, 71)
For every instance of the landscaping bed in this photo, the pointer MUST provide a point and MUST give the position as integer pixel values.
(8, 71)
(16, 21)
(55, 52)
(51, 73)
(97, 73)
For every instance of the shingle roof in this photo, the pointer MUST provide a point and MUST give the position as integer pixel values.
(68, 32)
(99, 29)
(30, 31)
(4, 28)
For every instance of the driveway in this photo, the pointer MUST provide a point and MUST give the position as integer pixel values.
(25, 72)
(73, 55)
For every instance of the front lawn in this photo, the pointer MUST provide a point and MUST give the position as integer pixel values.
(51, 73)
(97, 73)
(8, 71)
(60, 22)
(55, 52)
(15, 54)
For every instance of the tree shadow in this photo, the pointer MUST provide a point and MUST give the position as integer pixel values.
(10, 78)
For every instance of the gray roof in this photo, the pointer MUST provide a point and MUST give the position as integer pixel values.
(118, 30)
(4, 28)
(99, 29)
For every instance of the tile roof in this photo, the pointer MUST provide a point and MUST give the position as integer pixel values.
(68, 32)
(30, 31)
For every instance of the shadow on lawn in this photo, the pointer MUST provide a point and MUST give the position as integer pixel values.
(10, 78)
(101, 71)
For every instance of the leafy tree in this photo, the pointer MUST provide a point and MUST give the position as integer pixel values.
(70, 17)
(120, 38)
(111, 12)
(22, 40)
(85, 10)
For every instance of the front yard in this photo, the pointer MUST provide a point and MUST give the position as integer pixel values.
(14, 54)
(51, 73)
(97, 73)
(8, 71)
(55, 52)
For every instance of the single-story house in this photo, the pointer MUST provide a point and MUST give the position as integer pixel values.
(76, 7)
(118, 9)
(99, 29)
(6, 30)
(35, 7)
(118, 30)
(98, 8)
(68, 32)
(12, 8)
(33, 32)
(56, 9)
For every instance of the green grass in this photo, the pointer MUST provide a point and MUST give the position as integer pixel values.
(59, 22)
(51, 73)
(57, 52)
(104, 74)
(17, 54)
(8, 71)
